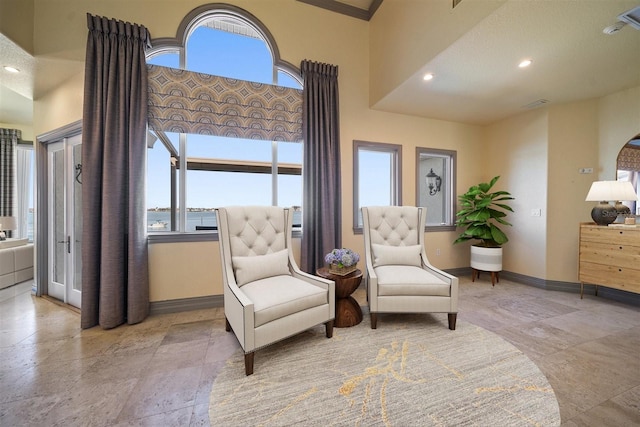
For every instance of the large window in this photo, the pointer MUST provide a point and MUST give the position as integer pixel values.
(376, 177)
(191, 174)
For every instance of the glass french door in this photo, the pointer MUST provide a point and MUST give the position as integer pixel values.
(64, 206)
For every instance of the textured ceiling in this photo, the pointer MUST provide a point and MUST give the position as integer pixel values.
(37, 77)
(476, 77)
(16, 90)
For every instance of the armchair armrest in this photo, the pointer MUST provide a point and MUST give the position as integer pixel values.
(326, 284)
(239, 312)
(371, 282)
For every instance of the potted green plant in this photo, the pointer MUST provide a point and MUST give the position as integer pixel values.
(481, 213)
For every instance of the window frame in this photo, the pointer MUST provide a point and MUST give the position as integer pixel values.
(177, 45)
(395, 150)
(448, 191)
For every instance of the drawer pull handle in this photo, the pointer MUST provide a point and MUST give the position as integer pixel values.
(620, 270)
(620, 247)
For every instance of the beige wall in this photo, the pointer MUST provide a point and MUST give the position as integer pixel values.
(16, 22)
(184, 270)
(517, 150)
(521, 149)
(538, 155)
(61, 106)
(618, 122)
(573, 144)
(27, 131)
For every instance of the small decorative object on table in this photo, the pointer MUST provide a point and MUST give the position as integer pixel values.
(342, 261)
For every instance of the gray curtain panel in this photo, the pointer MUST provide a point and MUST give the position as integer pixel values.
(8, 151)
(115, 277)
(322, 207)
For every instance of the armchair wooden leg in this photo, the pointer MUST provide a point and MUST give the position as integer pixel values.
(329, 326)
(452, 321)
(248, 363)
(374, 320)
(227, 325)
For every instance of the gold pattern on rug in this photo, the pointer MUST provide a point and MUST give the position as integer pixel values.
(414, 371)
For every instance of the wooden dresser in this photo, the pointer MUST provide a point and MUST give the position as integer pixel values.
(609, 256)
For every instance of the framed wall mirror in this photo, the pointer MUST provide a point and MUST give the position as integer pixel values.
(628, 169)
(436, 187)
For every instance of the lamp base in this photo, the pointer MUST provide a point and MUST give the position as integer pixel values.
(604, 213)
(622, 210)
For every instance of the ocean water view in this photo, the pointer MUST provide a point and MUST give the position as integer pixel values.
(160, 220)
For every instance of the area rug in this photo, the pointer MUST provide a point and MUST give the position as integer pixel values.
(411, 371)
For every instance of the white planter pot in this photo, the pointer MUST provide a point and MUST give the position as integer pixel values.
(486, 259)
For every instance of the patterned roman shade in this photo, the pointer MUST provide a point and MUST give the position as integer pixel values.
(184, 101)
(629, 158)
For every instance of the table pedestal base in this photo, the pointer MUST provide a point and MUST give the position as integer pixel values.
(348, 312)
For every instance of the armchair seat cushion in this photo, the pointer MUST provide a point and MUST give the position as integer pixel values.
(280, 296)
(409, 280)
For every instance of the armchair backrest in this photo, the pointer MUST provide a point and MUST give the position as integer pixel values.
(253, 230)
(393, 225)
(255, 242)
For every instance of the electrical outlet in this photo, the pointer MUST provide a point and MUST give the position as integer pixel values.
(438, 252)
(536, 212)
(586, 170)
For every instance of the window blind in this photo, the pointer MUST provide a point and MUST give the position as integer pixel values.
(184, 101)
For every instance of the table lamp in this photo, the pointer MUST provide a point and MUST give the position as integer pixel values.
(7, 223)
(601, 191)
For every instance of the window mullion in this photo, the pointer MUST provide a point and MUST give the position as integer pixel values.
(274, 173)
(183, 183)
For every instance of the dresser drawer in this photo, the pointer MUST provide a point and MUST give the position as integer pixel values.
(600, 234)
(609, 256)
(607, 275)
(619, 255)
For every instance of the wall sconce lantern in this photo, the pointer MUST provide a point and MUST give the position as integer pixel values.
(434, 182)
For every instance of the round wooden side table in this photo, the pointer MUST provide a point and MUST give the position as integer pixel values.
(348, 311)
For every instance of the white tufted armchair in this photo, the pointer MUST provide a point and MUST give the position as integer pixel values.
(266, 296)
(398, 275)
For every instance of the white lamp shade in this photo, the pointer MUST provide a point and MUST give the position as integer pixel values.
(611, 191)
(8, 223)
(623, 191)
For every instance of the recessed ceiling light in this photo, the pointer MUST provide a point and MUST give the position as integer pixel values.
(525, 63)
(11, 69)
(428, 76)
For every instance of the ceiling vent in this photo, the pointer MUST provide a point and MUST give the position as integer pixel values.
(536, 104)
(631, 17)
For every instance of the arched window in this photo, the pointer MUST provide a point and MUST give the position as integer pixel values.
(190, 174)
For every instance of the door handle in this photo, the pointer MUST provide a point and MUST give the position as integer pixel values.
(68, 242)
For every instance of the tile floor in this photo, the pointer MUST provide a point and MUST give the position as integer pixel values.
(159, 373)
